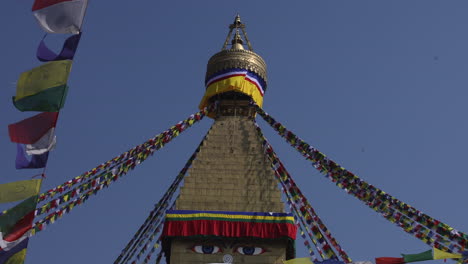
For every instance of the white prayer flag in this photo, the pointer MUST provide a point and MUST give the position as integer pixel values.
(60, 16)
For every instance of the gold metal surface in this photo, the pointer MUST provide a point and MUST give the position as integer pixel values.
(237, 56)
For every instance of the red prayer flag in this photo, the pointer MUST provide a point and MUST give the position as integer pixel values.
(39, 4)
(30, 130)
(388, 260)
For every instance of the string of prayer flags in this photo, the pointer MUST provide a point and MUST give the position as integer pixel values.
(299, 261)
(125, 163)
(35, 162)
(60, 16)
(19, 190)
(430, 255)
(151, 238)
(381, 207)
(15, 228)
(299, 201)
(141, 152)
(389, 260)
(439, 234)
(67, 53)
(31, 130)
(158, 210)
(43, 88)
(160, 255)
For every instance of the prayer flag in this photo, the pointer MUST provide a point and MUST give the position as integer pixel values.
(426, 255)
(298, 261)
(388, 260)
(60, 16)
(43, 145)
(43, 88)
(15, 226)
(36, 161)
(439, 254)
(19, 190)
(30, 130)
(67, 52)
(434, 253)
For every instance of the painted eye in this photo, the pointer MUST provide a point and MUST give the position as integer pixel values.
(250, 250)
(206, 249)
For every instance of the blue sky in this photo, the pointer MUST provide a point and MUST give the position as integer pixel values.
(378, 86)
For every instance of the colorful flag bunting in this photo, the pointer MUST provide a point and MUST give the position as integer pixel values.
(15, 227)
(43, 145)
(431, 231)
(43, 88)
(36, 161)
(19, 190)
(67, 52)
(298, 261)
(30, 130)
(389, 260)
(60, 16)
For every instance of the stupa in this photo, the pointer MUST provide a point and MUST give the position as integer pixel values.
(229, 209)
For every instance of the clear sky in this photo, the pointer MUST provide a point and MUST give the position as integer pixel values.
(378, 86)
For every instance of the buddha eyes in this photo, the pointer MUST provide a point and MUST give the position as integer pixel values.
(245, 250)
(212, 249)
(206, 249)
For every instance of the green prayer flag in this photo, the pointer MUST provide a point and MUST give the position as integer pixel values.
(426, 255)
(11, 216)
(49, 100)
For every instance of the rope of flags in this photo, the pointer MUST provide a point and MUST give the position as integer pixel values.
(44, 88)
(123, 162)
(156, 243)
(157, 213)
(103, 180)
(411, 220)
(41, 89)
(303, 207)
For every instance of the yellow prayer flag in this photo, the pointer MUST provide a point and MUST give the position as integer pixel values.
(14, 191)
(48, 75)
(439, 254)
(17, 258)
(298, 261)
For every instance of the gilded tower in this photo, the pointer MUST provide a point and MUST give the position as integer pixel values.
(229, 209)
